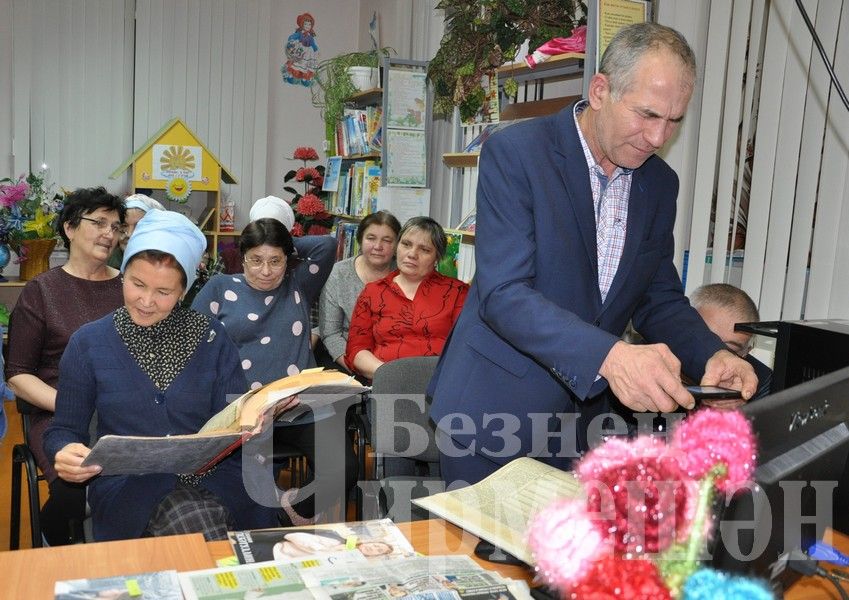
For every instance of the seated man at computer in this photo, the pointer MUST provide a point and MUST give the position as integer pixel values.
(721, 306)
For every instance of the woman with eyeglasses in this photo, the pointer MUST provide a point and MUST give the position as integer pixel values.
(50, 308)
(266, 312)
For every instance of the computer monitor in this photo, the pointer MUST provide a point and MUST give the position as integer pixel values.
(801, 476)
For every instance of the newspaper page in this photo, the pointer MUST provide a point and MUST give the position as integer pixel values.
(376, 540)
(499, 507)
(265, 580)
(159, 585)
(422, 578)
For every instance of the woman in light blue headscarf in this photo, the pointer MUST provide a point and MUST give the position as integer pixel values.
(153, 368)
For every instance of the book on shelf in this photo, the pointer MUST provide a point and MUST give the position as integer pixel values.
(499, 507)
(371, 187)
(226, 431)
(377, 539)
(158, 585)
(331, 174)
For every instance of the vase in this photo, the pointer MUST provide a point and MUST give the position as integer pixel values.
(5, 256)
(36, 257)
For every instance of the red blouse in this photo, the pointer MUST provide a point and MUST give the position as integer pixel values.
(391, 326)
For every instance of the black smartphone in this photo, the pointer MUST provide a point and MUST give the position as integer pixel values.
(710, 392)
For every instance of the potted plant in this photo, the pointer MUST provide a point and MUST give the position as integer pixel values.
(332, 84)
(481, 35)
(28, 209)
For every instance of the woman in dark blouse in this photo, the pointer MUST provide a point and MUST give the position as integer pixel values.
(52, 307)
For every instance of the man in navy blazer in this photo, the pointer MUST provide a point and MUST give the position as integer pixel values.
(574, 238)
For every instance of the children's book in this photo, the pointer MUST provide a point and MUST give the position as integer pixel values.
(160, 585)
(374, 540)
(225, 431)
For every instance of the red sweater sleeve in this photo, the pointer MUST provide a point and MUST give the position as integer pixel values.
(361, 330)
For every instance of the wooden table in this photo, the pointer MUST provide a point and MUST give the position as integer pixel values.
(31, 574)
(434, 537)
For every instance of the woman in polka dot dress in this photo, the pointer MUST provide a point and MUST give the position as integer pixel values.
(266, 312)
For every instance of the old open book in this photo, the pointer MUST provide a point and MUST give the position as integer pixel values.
(225, 431)
(498, 508)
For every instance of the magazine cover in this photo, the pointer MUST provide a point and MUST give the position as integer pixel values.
(375, 540)
(160, 585)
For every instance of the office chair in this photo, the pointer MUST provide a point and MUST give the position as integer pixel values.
(406, 459)
(23, 460)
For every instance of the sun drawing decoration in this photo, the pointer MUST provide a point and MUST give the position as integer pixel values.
(177, 158)
(178, 189)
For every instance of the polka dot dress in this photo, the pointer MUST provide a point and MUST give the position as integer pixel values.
(271, 328)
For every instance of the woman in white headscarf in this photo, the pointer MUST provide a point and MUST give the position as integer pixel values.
(136, 206)
(153, 368)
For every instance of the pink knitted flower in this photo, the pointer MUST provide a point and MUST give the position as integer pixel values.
(708, 437)
(637, 490)
(564, 543)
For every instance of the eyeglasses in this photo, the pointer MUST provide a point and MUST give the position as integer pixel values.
(103, 225)
(741, 349)
(274, 264)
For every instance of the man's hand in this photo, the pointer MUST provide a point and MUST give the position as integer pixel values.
(68, 464)
(646, 377)
(728, 370)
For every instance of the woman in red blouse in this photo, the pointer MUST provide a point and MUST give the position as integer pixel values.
(411, 311)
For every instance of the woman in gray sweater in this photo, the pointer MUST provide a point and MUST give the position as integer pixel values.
(377, 236)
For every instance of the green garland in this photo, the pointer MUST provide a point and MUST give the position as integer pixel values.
(481, 35)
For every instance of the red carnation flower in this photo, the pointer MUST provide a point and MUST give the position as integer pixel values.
(297, 230)
(612, 578)
(318, 180)
(307, 174)
(305, 153)
(316, 229)
(310, 205)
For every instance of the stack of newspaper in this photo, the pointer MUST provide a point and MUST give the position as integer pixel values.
(419, 578)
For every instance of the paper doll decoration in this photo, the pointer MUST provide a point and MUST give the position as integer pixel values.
(301, 53)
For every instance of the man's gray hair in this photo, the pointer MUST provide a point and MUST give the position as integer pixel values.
(630, 44)
(725, 295)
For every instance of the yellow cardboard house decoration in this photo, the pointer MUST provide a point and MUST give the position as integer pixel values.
(175, 160)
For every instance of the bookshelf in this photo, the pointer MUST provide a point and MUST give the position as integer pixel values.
(395, 114)
(533, 102)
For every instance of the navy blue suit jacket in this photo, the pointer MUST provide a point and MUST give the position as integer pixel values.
(534, 331)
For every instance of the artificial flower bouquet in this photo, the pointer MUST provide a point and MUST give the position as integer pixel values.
(28, 208)
(311, 216)
(641, 529)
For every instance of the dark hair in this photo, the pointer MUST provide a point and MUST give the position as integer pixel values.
(84, 201)
(381, 217)
(431, 227)
(158, 257)
(269, 232)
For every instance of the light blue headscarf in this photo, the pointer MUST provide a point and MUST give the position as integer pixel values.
(170, 232)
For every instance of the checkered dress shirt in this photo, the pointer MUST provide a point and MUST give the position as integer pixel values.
(610, 201)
